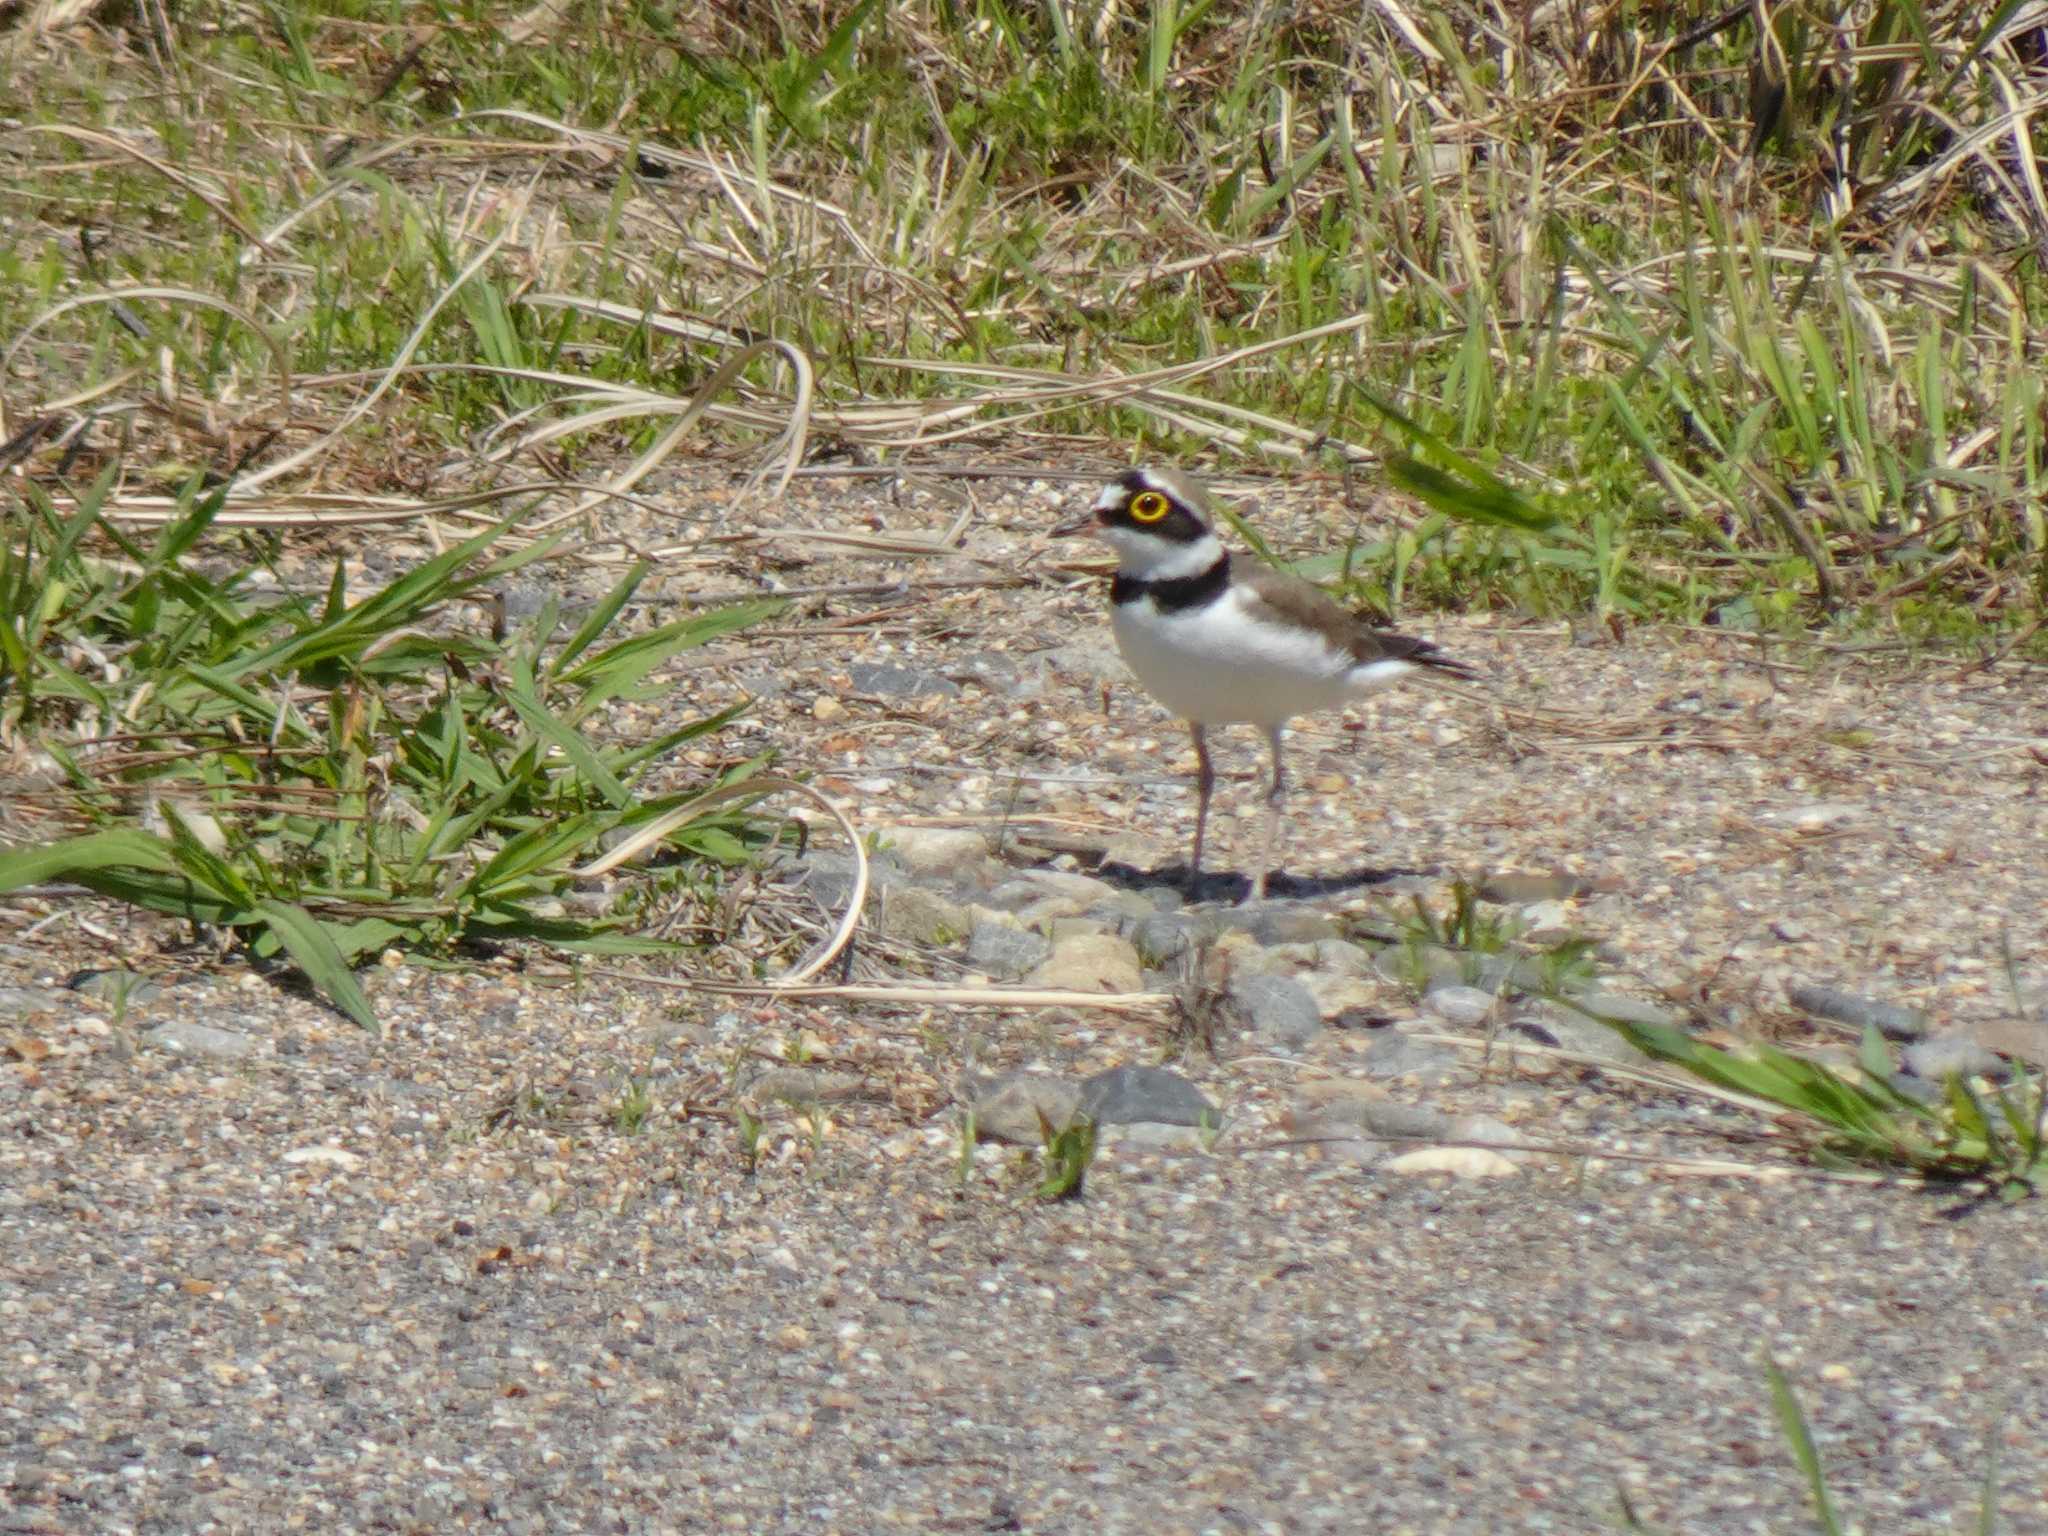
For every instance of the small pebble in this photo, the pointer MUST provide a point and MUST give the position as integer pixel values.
(195, 1039)
(1459, 1004)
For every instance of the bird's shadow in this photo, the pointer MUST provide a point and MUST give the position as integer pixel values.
(1226, 888)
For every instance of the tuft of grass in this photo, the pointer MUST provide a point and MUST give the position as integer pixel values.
(1993, 1138)
(1465, 929)
(747, 1129)
(632, 1107)
(963, 1159)
(324, 774)
(1069, 1152)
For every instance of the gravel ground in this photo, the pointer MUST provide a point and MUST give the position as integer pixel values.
(510, 1267)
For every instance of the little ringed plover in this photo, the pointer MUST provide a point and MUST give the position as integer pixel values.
(1221, 639)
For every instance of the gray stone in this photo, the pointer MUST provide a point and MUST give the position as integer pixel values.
(1040, 894)
(1294, 959)
(1036, 912)
(1001, 674)
(1070, 927)
(919, 916)
(1089, 962)
(828, 876)
(1341, 957)
(1952, 1055)
(1629, 1010)
(1516, 889)
(1383, 1117)
(1061, 882)
(1151, 1136)
(1146, 1095)
(1123, 909)
(1277, 1009)
(1394, 1054)
(1089, 661)
(1813, 816)
(2024, 1038)
(888, 681)
(1547, 922)
(1280, 922)
(1890, 1020)
(1459, 1004)
(1009, 1109)
(1004, 952)
(19, 1002)
(1918, 1088)
(1166, 936)
(118, 988)
(802, 1087)
(190, 1038)
(1485, 1131)
(522, 600)
(1337, 994)
(1553, 1024)
(928, 851)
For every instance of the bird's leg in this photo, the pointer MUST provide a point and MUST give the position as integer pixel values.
(1274, 797)
(1205, 783)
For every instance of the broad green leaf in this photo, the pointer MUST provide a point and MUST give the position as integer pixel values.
(179, 536)
(169, 893)
(553, 843)
(591, 937)
(367, 934)
(313, 948)
(80, 856)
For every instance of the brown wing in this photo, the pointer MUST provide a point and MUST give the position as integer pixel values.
(1298, 602)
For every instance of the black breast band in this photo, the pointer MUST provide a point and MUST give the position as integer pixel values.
(1176, 593)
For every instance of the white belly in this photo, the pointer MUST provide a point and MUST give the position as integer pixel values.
(1216, 666)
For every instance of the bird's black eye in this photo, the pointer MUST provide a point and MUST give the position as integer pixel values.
(1148, 507)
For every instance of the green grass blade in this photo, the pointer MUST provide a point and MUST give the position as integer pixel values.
(1495, 504)
(554, 842)
(599, 619)
(172, 894)
(179, 536)
(1799, 1436)
(838, 50)
(523, 695)
(78, 856)
(315, 952)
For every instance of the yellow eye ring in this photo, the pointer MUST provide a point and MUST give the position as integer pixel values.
(1148, 507)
